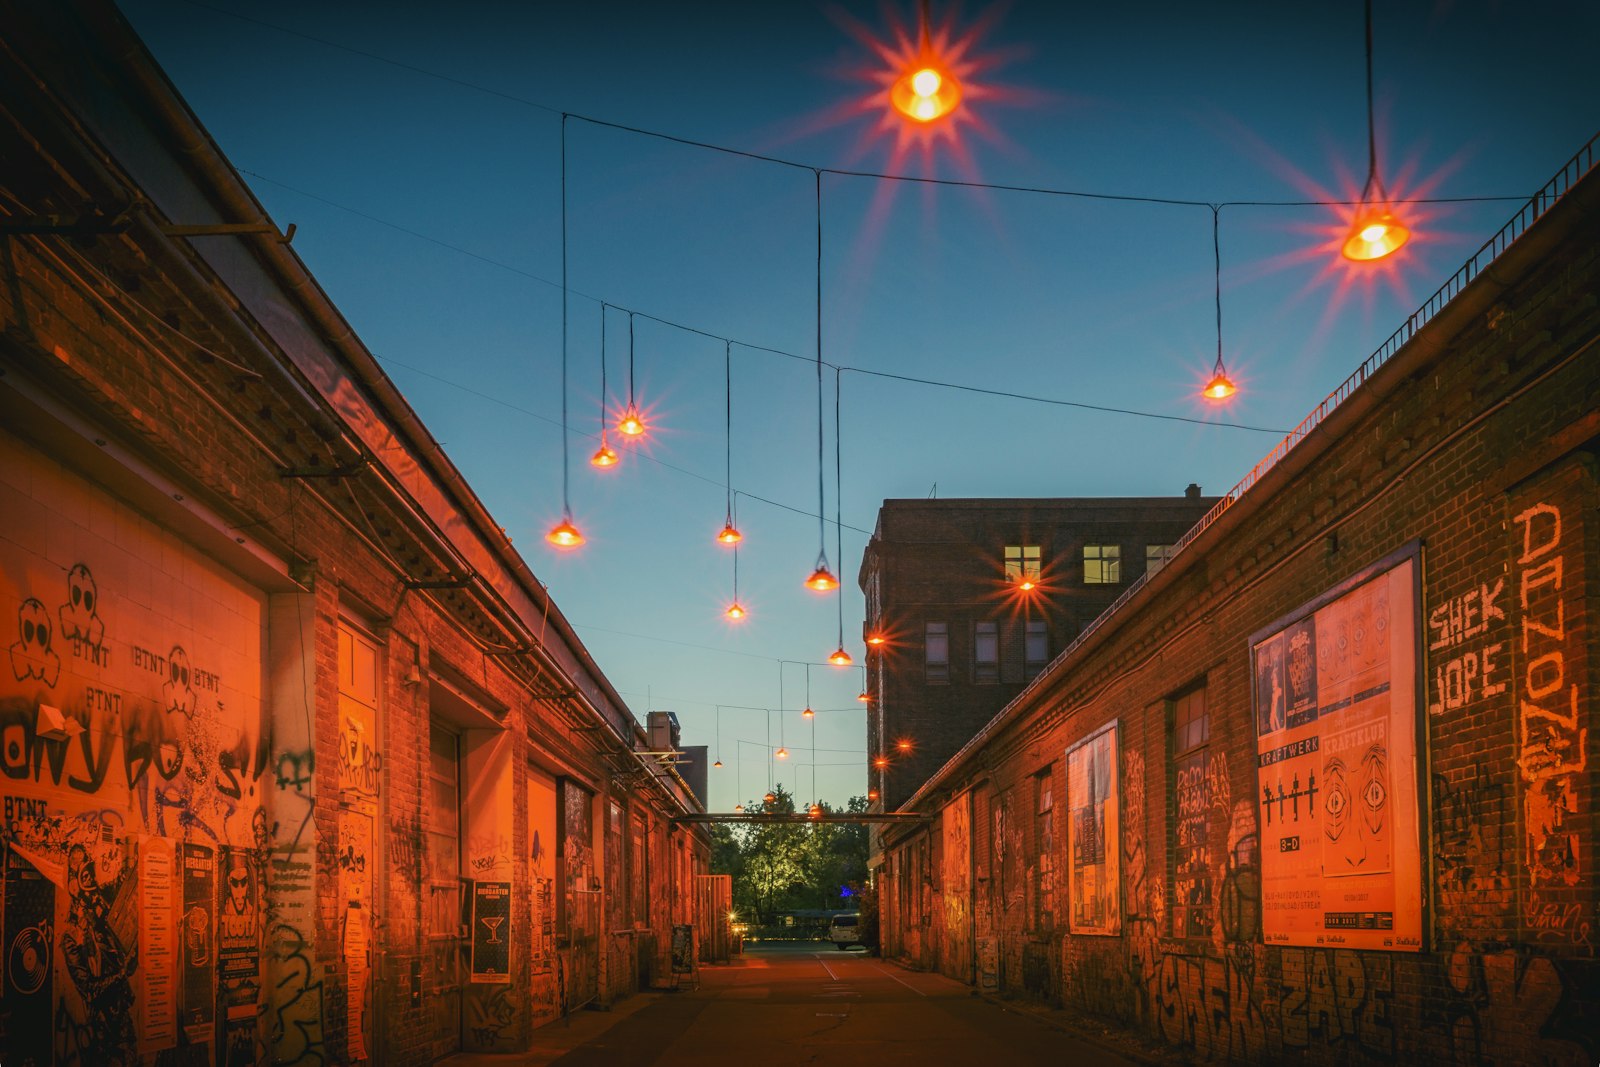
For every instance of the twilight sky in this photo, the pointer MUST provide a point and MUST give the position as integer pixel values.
(417, 148)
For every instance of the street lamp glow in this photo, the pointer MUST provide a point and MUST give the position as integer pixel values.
(925, 92)
(1376, 233)
(565, 535)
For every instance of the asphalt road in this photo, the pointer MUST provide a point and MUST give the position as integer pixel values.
(809, 1003)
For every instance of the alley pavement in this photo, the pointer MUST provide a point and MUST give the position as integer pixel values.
(788, 1003)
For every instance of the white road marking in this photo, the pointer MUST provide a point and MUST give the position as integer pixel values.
(902, 981)
(828, 969)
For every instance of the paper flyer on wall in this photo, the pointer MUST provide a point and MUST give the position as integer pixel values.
(1336, 727)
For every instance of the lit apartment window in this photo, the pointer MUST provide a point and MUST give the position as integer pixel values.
(1036, 646)
(986, 652)
(1102, 564)
(1189, 841)
(1022, 563)
(936, 651)
(1156, 557)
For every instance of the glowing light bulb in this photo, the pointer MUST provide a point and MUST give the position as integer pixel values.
(903, 745)
(876, 639)
(881, 762)
(738, 807)
(864, 697)
(925, 92)
(840, 657)
(816, 811)
(717, 764)
(1220, 387)
(822, 580)
(735, 611)
(808, 714)
(782, 753)
(1026, 585)
(770, 799)
(730, 534)
(564, 535)
(604, 456)
(631, 425)
(872, 794)
(1375, 234)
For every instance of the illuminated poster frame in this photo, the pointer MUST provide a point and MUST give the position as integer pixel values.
(1340, 738)
(1094, 834)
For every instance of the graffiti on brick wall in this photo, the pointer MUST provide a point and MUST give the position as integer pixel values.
(1472, 829)
(1467, 648)
(1501, 1005)
(1552, 738)
(491, 1018)
(115, 760)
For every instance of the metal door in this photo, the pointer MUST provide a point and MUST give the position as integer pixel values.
(580, 897)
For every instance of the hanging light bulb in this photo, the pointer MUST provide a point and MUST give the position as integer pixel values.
(872, 794)
(1027, 585)
(840, 657)
(822, 579)
(735, 612)
(738, 807)
(770, 798)
(782, 753)
(864, 697)
(717, 764)
(1374, 232)
(925, 90)
(816, 811)
(881, 762)
(605, 455)
(564, 534)
(875, 638)
(730, 534)
(808, 713)
(1220, 387)
(904, 744)
(632, 423)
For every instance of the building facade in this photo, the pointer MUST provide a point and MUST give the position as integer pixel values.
(300, 763)
(1323, 788)
(969, 599)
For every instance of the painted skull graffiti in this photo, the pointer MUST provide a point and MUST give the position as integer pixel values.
(175, 692)
(80, 619)
(32, 656)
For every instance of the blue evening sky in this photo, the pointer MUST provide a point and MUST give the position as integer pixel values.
(362, 121)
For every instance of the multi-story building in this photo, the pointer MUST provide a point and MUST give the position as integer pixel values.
(969, 599)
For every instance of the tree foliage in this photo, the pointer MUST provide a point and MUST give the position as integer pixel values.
(779, 867)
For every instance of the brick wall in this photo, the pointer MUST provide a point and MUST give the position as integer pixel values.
(1473, 449)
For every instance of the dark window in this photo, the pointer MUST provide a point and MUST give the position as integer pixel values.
(936, 651)
(1190, 834)
(1044, 828)
(1037, 646)
(986, 652)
